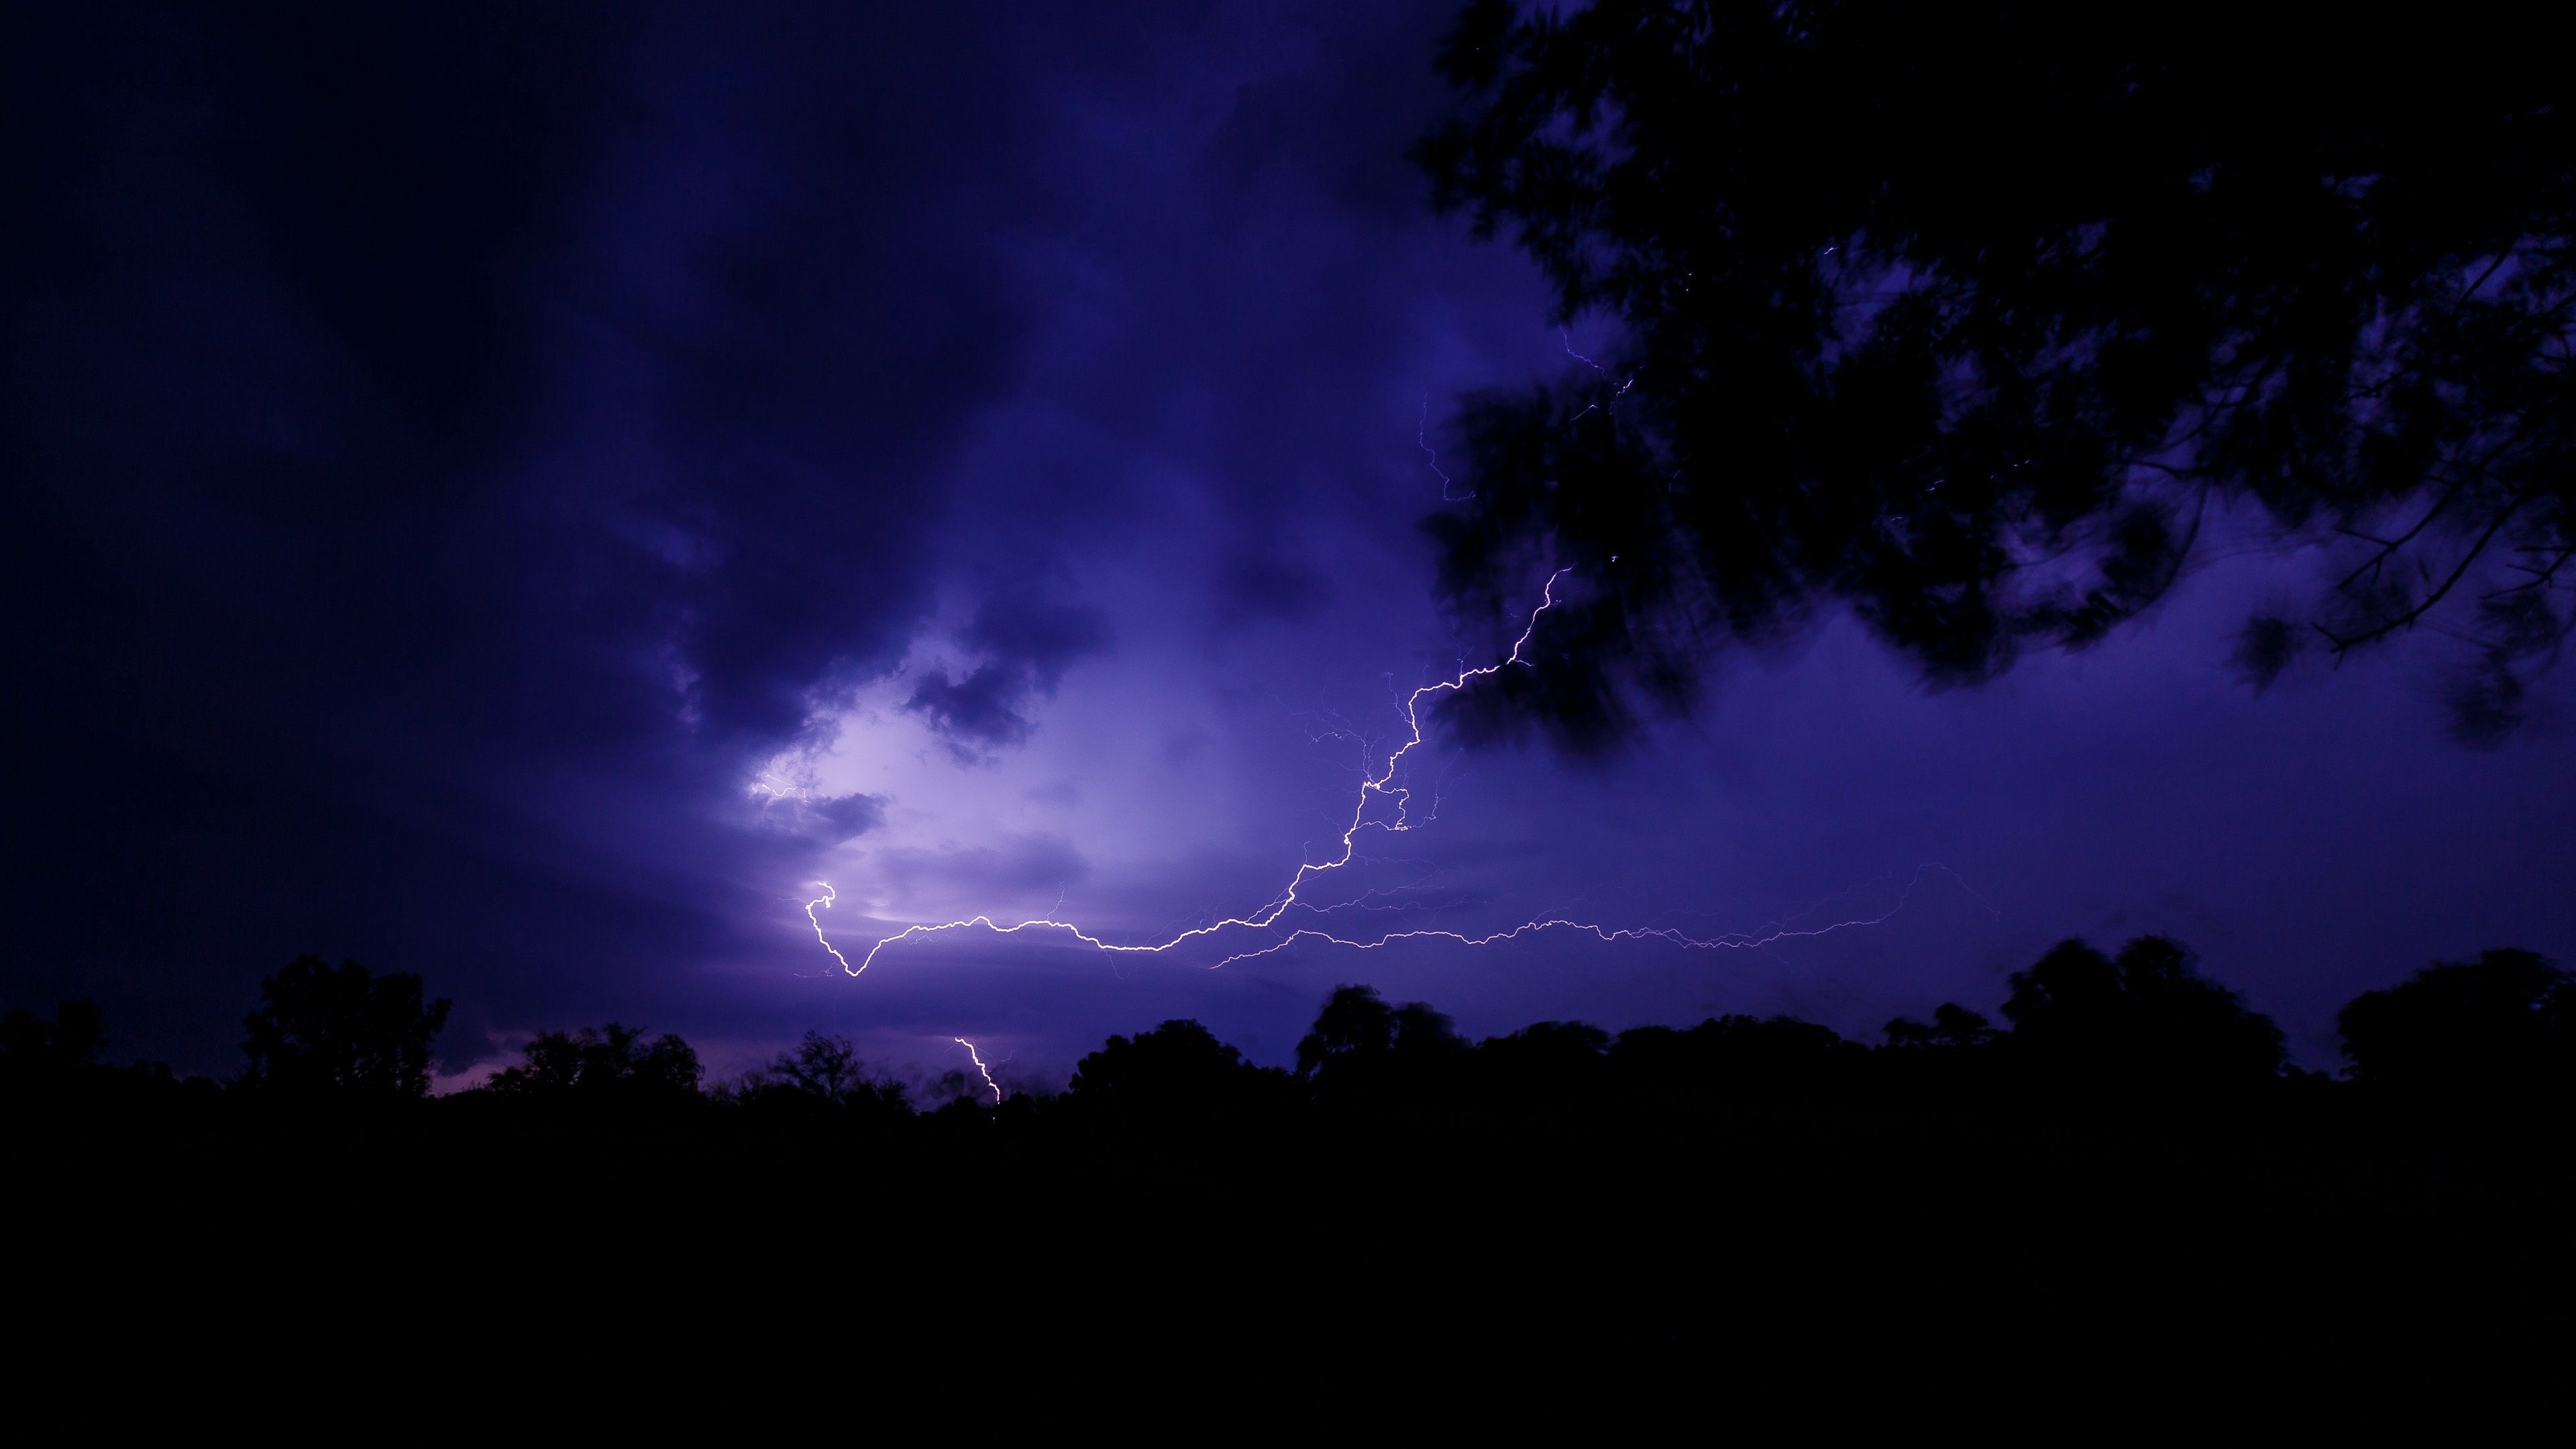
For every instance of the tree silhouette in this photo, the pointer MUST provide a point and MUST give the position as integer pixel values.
(341, 1029)
(2145, 1017)
(1362, 1052)
(1355, 1024)
(1969, 316)
(1178, 1073)
(611, 1063)
(823, 1070)
(2507, 1019)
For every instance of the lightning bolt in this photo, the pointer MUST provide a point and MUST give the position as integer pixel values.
(977, 1058)
(1567, 338)
(980, 1069)
(1728, 941)
(829, 895)
(1380, 784)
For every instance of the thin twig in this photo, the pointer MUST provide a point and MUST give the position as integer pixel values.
(2425, 606)
(2390, 546)
(2501, 258)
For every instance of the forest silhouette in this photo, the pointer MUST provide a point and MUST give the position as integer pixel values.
(2124, 1177)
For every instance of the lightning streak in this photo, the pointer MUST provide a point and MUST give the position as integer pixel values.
(1380, 784)
(977, 1058)
(1568, 339)
(1728, 941)
(829, 895)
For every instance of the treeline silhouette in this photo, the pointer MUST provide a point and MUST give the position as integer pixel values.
(2121, 1176)
(2136, 1029)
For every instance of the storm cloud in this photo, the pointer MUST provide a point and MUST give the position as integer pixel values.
(1023, 648)
(450, 446)
(529, 493)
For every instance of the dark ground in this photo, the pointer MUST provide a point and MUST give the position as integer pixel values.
(466, 1265)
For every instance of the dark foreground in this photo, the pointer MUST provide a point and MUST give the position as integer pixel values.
(1746, 1223)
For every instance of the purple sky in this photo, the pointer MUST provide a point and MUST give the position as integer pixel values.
(454, 462)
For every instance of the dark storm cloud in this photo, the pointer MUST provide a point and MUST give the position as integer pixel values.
(1026, 647)
(1038, 637)
(824, 819)
(980, 708)
(447, 447)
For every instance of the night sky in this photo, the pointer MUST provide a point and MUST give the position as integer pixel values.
(519, 494)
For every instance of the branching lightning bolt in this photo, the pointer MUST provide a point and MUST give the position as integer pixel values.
(1727, 941)
(1567, 338)
(1379, 784)
(1372, 785)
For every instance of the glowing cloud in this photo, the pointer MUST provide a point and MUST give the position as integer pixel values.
(1379, 784)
